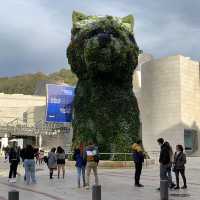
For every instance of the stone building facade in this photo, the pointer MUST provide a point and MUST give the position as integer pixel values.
(169, 101)
(22, 119)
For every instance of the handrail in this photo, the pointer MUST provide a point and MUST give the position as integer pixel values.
(125, 156)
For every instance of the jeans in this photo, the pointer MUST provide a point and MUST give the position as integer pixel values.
(29, 165)
(91, 166)
(13, 169)
(138, 170)
(81, 170)
(163, 172)
(169, 175)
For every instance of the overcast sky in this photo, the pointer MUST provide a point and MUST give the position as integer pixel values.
(34, 34)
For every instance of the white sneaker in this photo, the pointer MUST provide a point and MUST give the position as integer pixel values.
(87, 187)
(12, 180)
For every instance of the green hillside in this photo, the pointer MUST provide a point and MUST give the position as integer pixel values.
(26, 84)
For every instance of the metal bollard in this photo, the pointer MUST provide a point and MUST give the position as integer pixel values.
(164, 191)
(96, 192)
(13, 195)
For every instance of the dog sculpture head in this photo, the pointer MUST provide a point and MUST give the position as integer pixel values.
(102, 47)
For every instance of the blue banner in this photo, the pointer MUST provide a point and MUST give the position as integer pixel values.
(59, 103)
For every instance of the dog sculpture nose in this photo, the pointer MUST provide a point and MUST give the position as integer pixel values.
(104, 39)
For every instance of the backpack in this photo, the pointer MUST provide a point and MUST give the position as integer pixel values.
(92, 155)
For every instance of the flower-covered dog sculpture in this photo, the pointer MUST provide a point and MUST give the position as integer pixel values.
(103, 54)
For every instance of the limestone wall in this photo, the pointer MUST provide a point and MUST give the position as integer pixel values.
(190, 92)
(13, 106)
(160, 101)
(190, 96)
(169, 100)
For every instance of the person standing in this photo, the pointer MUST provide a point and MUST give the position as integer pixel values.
(179, 166)
(36, 151)
(164, 159)
(60, 154)
(138, 157)
(41, 156)
(169, 170)
(92, 156)
(6, 153)
(14, 160)
(80, 164)
(22, 155)
(52, 162)
(29, 164)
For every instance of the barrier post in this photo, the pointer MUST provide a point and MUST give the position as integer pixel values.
(164, 190)
(13, 195)
(96, 192)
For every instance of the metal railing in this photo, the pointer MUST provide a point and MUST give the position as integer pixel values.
(122, 156)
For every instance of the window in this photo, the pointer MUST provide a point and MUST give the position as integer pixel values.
(190, 140)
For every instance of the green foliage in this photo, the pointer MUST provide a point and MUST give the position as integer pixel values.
(64, 74)
(26, 84)
(103, 54)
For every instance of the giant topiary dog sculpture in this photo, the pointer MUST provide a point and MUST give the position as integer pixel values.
(103, 54)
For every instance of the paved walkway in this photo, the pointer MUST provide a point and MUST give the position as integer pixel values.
(117, 184)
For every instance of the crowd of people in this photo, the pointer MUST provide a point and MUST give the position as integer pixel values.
(87, 159)
(168, 160)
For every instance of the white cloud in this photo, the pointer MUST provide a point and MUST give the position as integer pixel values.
(34, 34)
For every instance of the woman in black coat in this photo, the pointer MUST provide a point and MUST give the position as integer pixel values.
(179, 166)
(14, 161)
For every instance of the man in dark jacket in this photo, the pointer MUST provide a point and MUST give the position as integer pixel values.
(164, 159)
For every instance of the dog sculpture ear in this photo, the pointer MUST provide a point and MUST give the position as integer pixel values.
(78, 16)
(128, 21)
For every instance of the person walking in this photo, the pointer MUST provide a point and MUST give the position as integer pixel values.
(60, 154)
(138, 157)
(80, 164)
(92, 156)
(179, 166)
(52, 162)
(29, 164)
(14, 160)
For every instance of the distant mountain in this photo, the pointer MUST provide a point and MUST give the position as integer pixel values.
(28, 84)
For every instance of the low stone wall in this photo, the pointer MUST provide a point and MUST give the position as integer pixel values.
(117, 164)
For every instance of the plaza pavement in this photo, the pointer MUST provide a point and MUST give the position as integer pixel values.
(117, 184)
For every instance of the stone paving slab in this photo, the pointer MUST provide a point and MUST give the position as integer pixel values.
(117, 184)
